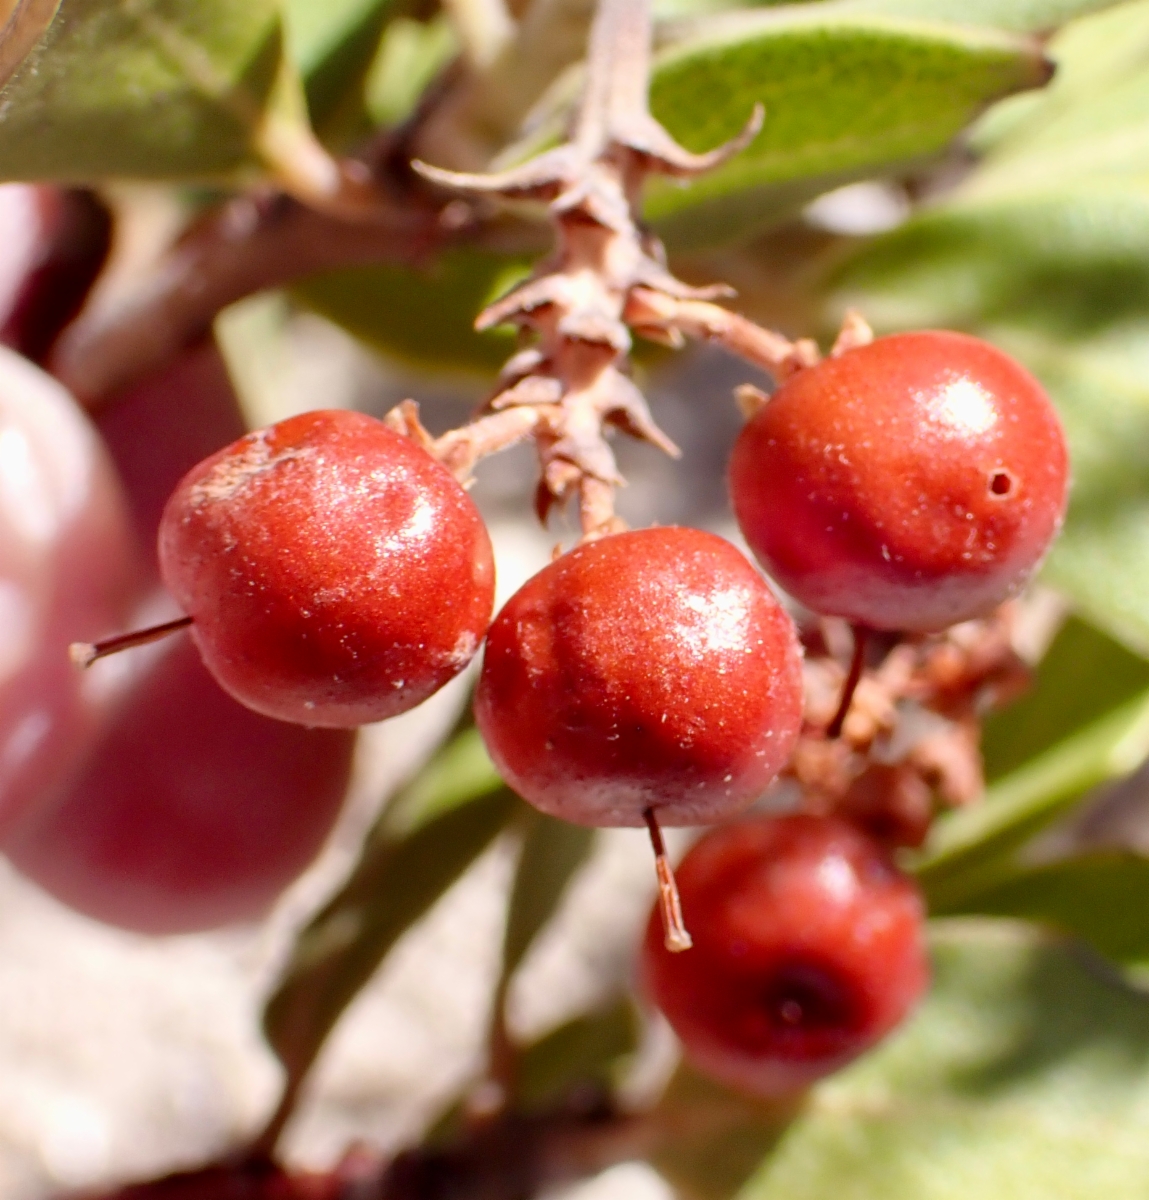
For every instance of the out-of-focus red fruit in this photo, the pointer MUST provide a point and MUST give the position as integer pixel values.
(907, 484)
(67, 572)
(258, 1181)
(53, 243)
(191, 812)
(158, 429)
(808, 948)
(892, 803)
(646, 670)
(336, 574)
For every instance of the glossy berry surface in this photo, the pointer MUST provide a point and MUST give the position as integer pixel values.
(808, 948)
(335, 573)
(907, 484)
(652, 669)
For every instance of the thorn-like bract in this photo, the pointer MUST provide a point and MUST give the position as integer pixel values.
(579, 302)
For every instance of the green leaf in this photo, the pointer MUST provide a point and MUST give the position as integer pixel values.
(1102, 388)
(1089, 125)
(460, 771)
(588, 1049)
(424, 317)
(845, 95)
(1078, 257)
(147, 89)
(552, 852)
(423, 842)
(410, 55)
(1024, 1074)
(1015, 16)
(1083, 675)
(1102, 898)
(975, 846)
(707, 1141)
(1018, 16)
(333, 43)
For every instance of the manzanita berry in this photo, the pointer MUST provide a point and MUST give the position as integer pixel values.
(190, 811)
(651, 670)
(334, 572)
(808, 948)
(907, 484)
(67, 570)
(178, 809)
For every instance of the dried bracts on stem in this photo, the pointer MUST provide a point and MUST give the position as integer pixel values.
(605, 277)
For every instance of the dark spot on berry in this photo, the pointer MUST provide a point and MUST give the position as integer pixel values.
(1001, 484)
(807, 996)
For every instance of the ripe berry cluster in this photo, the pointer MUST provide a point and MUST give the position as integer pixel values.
(334, 573)
(906, 485)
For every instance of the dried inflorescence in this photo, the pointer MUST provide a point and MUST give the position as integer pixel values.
(605, 279)
(910, 737)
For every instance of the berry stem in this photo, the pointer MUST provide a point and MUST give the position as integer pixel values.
(268, 1137)
(857, 662)
(244, 246)
(83, 654)
(496, 1089)
(618, 71)
(596, 508)
(574, 378)
(674, 928)
(460, 449)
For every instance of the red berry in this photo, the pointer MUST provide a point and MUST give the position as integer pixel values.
(908, 484)
(190, 812)
(652, 669)
(67, 570)
(808, 948)
(335, 573)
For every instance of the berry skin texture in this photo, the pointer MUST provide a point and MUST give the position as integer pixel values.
(808, 949)
(652, 669)
(334, 572)
(906, 485)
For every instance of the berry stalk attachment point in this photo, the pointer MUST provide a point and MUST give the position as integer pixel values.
(83, 654)
(676, 937)
(857, 663)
